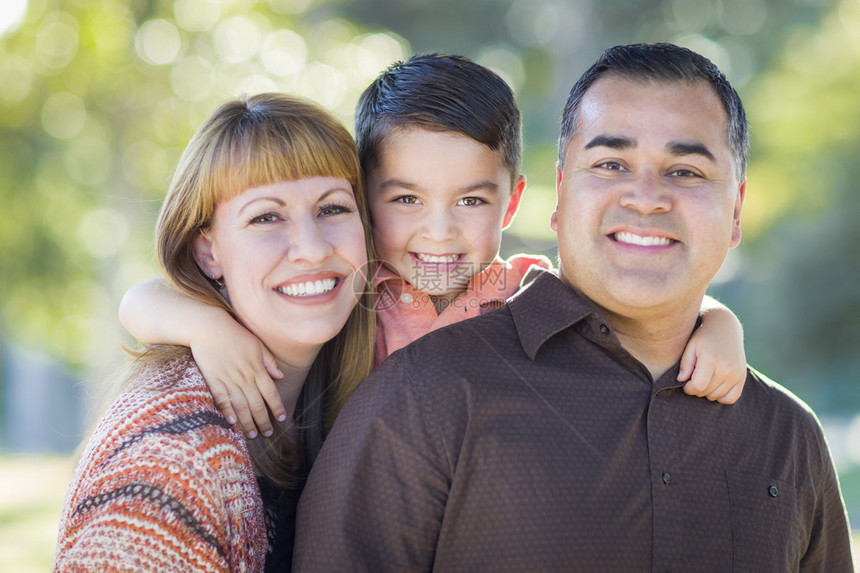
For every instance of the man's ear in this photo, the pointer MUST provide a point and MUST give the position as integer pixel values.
(514, 201)
(204, 254)
(736, 223)
(553, 220)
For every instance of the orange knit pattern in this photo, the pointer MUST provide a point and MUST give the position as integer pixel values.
(164, 484)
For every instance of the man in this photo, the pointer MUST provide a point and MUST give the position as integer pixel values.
(552, 434)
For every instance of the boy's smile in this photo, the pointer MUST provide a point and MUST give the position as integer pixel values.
(439, 201)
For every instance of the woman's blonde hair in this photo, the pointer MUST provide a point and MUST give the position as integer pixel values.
(249, 142)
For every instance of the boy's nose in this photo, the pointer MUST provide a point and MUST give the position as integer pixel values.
(439, 225)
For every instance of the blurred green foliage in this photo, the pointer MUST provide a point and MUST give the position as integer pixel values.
(98, 99)
(797, 288)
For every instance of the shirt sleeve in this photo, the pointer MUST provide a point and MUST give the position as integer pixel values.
(829, 546)
(375, 498)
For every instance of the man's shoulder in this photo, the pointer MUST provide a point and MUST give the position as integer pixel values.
(773, 403)
(772, 391)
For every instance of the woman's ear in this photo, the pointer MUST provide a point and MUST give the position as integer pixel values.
(204, 254)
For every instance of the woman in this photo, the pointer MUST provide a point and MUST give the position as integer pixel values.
(265, 218)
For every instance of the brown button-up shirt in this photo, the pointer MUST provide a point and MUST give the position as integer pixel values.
(528, 439)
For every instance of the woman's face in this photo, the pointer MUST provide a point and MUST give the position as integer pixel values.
(291, 255)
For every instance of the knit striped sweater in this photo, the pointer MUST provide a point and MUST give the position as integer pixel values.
(164, 484)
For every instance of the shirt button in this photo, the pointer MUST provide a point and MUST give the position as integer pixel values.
(667, 478)
(604, 329)
(773, 491)
(406, 298)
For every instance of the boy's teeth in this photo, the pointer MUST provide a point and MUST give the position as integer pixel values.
(309, 288)
(437, 258)
(640, 240)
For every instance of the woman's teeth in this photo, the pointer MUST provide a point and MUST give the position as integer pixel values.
(308, 288)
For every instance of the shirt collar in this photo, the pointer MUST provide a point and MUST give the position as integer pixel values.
(562, 308)
(536, 323)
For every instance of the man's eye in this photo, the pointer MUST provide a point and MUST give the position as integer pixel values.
(471, 201)
(683, 173)
(407, 199)
(611, 166)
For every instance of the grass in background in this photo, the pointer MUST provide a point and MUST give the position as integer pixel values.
(32, 489)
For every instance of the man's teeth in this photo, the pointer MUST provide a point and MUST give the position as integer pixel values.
(437, 258)
(640, 240)
(308, 288)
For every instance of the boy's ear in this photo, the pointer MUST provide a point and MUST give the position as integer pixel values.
(514, 201)
(204, 254)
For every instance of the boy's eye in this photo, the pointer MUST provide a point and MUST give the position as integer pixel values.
(407, 199)
(471, 201)
(330, 210)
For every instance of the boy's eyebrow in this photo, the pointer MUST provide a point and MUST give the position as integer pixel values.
(401, 184)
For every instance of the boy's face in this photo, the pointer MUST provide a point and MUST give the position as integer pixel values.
(439, 201)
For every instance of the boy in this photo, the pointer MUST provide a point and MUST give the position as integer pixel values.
(439, 139)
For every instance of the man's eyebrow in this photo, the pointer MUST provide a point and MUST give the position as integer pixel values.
(611, 141)
(687, 148)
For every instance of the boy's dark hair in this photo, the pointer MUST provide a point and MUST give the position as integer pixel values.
(440, 93)
(661, 63)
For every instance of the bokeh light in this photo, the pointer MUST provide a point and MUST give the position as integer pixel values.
(63, 115)
(56, 42)
(12, 13)
(157, 42)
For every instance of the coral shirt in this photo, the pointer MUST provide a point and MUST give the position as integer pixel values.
(405, 314)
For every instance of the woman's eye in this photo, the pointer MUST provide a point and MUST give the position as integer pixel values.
(407, 199)
(471, 201)
(266, 218)
(330, 210)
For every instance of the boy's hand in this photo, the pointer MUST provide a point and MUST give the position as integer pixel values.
(714, 362)
(239, 371)
(708, 377)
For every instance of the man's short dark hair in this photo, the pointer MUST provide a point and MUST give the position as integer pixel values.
(440, 93)
(661, 63)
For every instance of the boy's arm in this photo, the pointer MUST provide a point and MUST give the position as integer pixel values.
(237, 367)
(714, 361)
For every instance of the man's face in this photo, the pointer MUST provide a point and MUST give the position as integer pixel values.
(648, 199)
